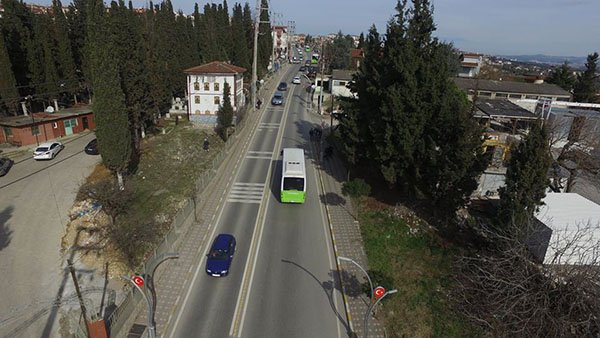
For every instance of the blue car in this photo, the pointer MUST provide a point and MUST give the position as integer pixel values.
(219, 257)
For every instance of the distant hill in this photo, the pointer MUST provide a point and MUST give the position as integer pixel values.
(574, 61)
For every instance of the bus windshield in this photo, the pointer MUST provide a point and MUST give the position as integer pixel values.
(293, 183)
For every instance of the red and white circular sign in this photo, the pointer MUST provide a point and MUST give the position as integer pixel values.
(379, 292)
(138, 280)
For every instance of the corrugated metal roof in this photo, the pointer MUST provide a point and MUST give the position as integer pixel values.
(511, 87)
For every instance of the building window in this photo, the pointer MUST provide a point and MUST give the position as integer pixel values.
(515, 96)
(207, 112)
(216, 86)
(197, 112)
(54, 125)
(485, 94)
(531, 97)
(562, 99)
(35, 130)
(197, 99)
(217, 100)
(206, 86)
(342, 83)
(196, 86)
(501, 95)
(7, 131)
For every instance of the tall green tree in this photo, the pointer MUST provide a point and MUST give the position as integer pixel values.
(411, 122)
(586, 86)
(110, 114)
(42, 64)
(9, 95)
(63, 51)
(526, 181)
(562, 77)
(17, 27)
(361, 40)
(225, 113)
(265, 40)
(240, 55)
(338, 51)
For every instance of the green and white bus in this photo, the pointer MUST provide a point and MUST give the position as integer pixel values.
(293, 176)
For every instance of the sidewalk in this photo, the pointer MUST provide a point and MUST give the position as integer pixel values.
(347, 242)
(173, 277)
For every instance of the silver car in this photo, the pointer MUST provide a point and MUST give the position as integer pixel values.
(47, 151)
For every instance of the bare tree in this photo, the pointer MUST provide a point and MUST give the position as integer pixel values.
(507, 293)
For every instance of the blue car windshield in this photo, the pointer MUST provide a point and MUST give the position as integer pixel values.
(219, 254)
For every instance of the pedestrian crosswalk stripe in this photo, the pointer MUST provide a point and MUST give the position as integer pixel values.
(243, 192)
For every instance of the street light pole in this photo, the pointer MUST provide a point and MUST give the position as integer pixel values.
(255, 54)
(371, 307)
(346, 259)
(151, 302)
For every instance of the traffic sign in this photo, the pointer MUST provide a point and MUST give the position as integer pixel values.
(379, 292)
(138, 280)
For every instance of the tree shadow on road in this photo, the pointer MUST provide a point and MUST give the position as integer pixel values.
(328, 287)
(5, 232)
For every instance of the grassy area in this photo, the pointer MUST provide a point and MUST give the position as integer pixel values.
(413, 261)
(166, 176)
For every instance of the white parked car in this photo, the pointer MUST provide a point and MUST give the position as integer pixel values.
(47, 151)
(296, 80)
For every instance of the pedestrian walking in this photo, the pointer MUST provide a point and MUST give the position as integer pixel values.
(206, 144)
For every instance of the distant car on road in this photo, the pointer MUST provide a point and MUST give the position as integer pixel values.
(5, 165)
(47, 151)
(92, 147)
(296, 80)
(282, 86)
(218, 261)
(302, 69)
(277, 99)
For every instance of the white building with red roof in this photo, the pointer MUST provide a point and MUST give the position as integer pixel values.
(205, 85)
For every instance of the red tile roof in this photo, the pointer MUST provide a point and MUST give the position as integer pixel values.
(215, 67)
(356, 53)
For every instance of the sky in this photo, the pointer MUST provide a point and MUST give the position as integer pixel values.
(499, 27)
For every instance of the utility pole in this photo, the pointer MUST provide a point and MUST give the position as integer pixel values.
(81, 303)
(255, 54)
(322, 61)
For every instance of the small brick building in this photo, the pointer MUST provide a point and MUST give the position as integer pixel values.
(24, 130)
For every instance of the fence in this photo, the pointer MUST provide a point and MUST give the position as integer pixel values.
(124, 315)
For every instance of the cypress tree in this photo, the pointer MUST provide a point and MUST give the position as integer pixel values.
(9, 95)
(40, 54)
(526, 181)
(225, 113)
(586, 87)
(361, 40)
(16, 23)
(110, 114)
(77, 21)
(64, 53)
(265, 40)
(240, 54)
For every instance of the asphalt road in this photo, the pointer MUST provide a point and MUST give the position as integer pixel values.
(281, 282)
(35, 197)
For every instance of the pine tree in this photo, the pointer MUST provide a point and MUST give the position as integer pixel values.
(42, 64)
(562, 77)
(17, 29)
(225, 113)
(110, 114)
(9, 95)
(265, 40)
(64, 53)
(240, 54)
(361, 40)
(586, 87)
(526, 181)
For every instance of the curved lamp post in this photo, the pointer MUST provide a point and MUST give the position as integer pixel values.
(370, 309)
(151, 302)
(346, 259)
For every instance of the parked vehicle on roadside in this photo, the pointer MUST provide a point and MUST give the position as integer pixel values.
(47, 151)
(92, 147)
(5, 165)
